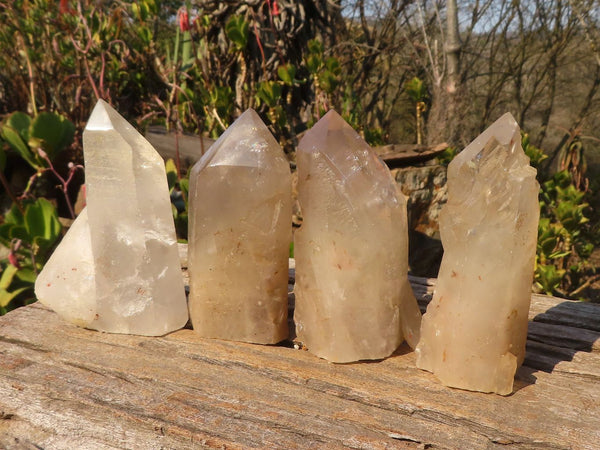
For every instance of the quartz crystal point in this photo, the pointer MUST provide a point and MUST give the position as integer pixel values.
(117, 269)
(353, 299)
(239, 236)
(474, 331)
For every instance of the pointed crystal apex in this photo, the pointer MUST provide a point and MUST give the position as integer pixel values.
(353, 301)
(505, 131)
(133, 282)
(99, 119)
(247, 142)
(330, 128)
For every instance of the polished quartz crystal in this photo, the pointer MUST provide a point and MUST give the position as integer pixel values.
(117, 269)
(239, 236)
(474, 331)
(353, 299)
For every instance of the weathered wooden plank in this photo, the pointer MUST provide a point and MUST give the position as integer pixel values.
(564, 336)
(397, 155)
(65, 387)
(191, 148)
(565, 312)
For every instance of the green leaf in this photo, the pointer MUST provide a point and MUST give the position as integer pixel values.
(558, 254)
(19, 232)
(287, 73)
(26, 276)
(237, 31)
(7, 276)
(184, 185)
(145, 34)
(333, 65)
(14, 139)
(329, 81)
(41, 221)
(6, 297)
(14, 216)
(315, 46)
(135, 10)
(415, 89)
(51, 132)
(20, 122)
(171, 170)
(548, 245)
(269, 92)
(314, 63)
(548, 278)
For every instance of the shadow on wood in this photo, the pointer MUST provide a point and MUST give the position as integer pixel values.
(557, 334)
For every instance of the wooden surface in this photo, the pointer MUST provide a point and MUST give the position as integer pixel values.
(191, 148)
(402, 155)
(69, 388)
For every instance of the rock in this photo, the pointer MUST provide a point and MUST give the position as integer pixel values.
(353, 299)
(239, 236)
(474, 331)
(117, 269)
(426, 190)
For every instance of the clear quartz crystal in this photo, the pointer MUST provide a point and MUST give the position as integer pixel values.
(474, 331)
(353, 299)
(117, 269)
(239, 236)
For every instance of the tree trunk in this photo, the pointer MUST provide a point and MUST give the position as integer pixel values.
(443, 123)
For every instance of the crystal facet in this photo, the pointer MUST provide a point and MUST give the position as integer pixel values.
(353, 299)
(474, 331)
(239, 236)
(117, 269)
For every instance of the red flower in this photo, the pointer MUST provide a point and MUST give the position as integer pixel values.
(12, 258)
(275, 8)
(64, 7)
(184, 20)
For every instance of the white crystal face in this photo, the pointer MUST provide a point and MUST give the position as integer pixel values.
(473, 334)
(68, 284)
(239, 236)
(353, 300)
(131, 257)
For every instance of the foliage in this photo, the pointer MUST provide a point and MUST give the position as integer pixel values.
(31, 227)
(47, 131)
(417, 92)
(178, 190)
(447, 155)
(565, 240)
(29, 235)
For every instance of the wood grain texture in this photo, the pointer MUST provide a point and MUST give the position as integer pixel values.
(65, 387)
